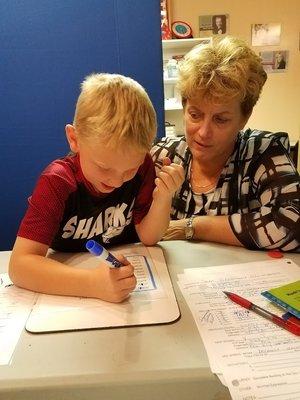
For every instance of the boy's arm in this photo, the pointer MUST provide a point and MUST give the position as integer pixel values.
(31, 269)
(152, 227)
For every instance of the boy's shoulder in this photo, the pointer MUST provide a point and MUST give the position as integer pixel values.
(65, 165)
(146, 166)
(62, 172)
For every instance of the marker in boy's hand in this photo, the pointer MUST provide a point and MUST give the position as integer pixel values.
(169, 179)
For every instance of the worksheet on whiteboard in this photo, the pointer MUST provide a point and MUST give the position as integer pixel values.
(152, 302)
(146, 280)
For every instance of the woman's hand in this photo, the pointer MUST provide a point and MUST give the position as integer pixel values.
(176, 230)
(169, 179)
(153, 226)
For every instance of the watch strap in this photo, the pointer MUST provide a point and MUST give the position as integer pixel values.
(189, 229)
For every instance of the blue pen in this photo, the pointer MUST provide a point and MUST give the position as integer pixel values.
(99, 251)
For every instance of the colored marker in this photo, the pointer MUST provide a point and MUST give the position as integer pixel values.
(286, 324)
(97, 250)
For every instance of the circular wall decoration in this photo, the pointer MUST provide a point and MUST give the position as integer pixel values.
(181, 30)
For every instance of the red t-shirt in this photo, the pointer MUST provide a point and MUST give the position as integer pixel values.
(65, 211)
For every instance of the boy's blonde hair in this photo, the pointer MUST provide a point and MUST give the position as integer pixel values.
(222, 70)
(116, 110)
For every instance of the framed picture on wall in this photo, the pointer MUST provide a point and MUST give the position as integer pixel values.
(213, 25)
(266, 34)
(274, 61)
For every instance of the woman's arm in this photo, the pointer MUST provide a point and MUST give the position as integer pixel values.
(275, 223)
(206, 228)
(152, 227)
(29, 268)
(275, 220)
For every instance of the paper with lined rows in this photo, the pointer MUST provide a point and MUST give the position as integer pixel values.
(241, 345)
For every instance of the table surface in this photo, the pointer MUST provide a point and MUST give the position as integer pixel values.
(159, 361)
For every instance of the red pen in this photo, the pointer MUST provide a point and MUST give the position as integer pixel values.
(286, 324)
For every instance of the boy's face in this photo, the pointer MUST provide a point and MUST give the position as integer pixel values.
(106, 169)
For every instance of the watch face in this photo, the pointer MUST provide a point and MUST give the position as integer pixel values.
(189, 229)
(189, 232)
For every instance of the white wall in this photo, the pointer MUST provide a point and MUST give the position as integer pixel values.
(279, 106)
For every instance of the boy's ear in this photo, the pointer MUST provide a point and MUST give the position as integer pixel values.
(72, 138)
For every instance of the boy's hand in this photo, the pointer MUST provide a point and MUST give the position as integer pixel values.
(113, 284)
(169, 179)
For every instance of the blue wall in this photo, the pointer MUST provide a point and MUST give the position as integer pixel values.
(46, 49)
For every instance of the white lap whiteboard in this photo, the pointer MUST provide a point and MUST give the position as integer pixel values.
(153, 301)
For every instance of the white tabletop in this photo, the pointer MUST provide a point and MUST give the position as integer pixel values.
(151, 362)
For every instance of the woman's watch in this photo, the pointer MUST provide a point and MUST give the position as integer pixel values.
(189, 228)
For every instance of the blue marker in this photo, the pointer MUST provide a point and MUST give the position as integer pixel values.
(99, 251)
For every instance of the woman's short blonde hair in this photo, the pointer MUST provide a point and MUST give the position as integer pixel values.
(222, 70)
(115, 110)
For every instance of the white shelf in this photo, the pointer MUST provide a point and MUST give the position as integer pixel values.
(172, 105)
(184, 43)
(170, 81)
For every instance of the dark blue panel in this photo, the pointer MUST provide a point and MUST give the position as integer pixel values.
(46, 49)
(56, 24)
(140, 49)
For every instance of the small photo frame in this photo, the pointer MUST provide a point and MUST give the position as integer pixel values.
(266, 34)
(274, 61)
(210, 25)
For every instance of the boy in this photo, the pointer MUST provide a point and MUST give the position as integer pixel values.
(104, 191)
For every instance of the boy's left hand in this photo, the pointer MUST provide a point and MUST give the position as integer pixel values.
(169, 179)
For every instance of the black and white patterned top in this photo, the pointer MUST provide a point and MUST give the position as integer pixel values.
(258, 188)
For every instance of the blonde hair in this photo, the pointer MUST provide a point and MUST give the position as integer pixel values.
(222, 69)
(116, 110)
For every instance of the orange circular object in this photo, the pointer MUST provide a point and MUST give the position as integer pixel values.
(181, 30)
(275, 254)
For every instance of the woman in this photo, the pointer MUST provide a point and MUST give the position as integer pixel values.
(240, 188)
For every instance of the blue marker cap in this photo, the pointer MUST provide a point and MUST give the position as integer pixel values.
(94, 247)
(97, 250)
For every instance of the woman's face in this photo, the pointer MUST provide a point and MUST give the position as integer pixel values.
(211, 128)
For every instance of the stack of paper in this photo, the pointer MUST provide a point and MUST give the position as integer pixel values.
(251, 355)
(15, 307)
